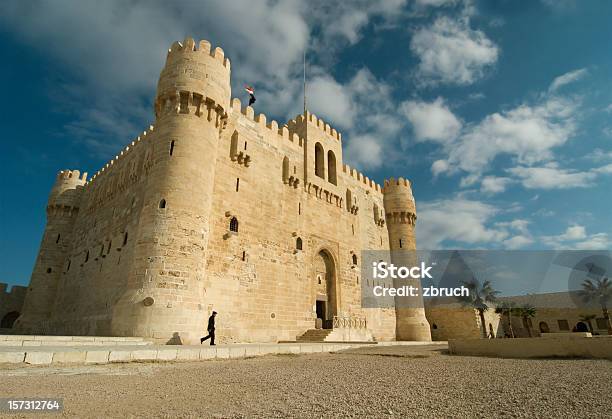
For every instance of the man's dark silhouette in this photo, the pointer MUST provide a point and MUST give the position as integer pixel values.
(211, 329)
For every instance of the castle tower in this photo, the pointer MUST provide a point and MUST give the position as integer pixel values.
(400, 211)
(62, 209)
(166, 297)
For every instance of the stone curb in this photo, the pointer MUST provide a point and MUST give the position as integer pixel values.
(37, 355)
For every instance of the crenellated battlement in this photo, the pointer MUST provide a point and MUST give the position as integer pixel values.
(296, 124)
(393, 184)
(72, 175)
(204, 47)
(16, 290)
(261, 120)
(122, 155)
(360, 177)
(399, 202)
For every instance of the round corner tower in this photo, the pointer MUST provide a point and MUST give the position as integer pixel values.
(62, 209)
(400, 210)
(166, 295)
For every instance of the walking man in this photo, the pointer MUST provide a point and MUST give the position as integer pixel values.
(211, 329)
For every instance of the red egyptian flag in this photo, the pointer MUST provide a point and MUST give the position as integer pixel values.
(249, 89)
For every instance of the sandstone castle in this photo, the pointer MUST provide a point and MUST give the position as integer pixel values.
(216, 208)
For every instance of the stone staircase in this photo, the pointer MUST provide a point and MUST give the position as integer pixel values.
(314, 335)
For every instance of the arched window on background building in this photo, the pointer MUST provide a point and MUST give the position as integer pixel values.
(298, 243)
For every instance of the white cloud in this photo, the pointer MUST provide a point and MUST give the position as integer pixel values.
(364, 151)
(517, 242)
(600, 155)
(607, 169)
(552, 177)
(439, 166)
(468, 223)
(520, 228)
(344, 21)
(567, 78)
(528, 133)
(450, 52)
(436, 3)
(493, 184)
(432, 120)
(576, 237)
(598, 241)
(366, 111)
(113, 52)
(329, 98)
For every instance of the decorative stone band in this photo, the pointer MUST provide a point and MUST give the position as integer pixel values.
(403, 217)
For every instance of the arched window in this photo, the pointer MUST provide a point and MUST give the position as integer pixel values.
(298, 243)
(233, 226)
(331, 168)
(125, 238)
(162, 203)
(9, 319)
(285, 170)
(354, 259)
(319, 161)
(349, 200)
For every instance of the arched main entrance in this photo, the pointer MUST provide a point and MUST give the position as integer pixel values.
(544, 327)
(326, 300)
(9, 319)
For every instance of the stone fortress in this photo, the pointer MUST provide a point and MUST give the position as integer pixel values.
(216, 208)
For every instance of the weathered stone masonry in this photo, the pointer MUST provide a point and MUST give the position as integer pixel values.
(216, 208)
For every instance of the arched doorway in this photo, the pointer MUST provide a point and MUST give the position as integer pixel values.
(544, 327)
(326, 301)
(581, 327)
(9, 319)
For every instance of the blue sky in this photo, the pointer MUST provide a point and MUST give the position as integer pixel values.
(500, 112)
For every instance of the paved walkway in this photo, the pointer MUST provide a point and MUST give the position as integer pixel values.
(103, 354)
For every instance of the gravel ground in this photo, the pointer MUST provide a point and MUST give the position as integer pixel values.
(371, 382)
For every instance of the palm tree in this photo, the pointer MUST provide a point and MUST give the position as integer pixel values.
(478, 297)
(601, 292)
(526, 312)
(505, 309)
(587, 318)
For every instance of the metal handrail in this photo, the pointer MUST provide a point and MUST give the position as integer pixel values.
(350, 322)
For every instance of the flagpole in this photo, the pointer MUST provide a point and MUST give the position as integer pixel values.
(304, 81)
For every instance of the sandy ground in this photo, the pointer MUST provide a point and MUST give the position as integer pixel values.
(371, 382)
